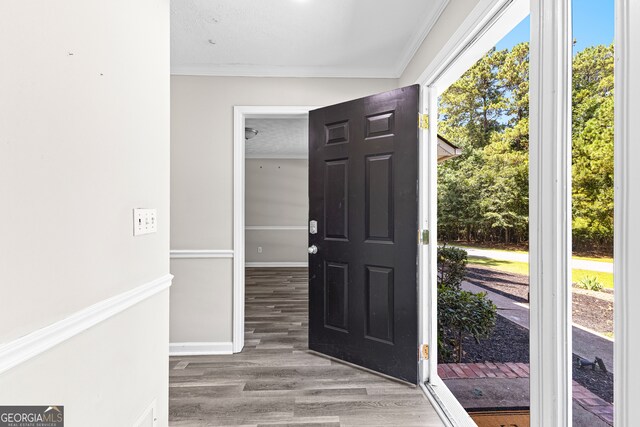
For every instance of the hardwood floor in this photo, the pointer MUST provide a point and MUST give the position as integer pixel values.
(276, 381)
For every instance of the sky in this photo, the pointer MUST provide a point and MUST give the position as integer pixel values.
(593, 23)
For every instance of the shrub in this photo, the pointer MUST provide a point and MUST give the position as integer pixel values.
(462, 314)
(590, 282)
(452, 265)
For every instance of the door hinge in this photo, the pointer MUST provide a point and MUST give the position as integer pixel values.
(423, 237)
(423, 121)
(424, 351)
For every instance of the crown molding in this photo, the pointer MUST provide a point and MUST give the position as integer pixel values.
(216, 70)
(419, 37)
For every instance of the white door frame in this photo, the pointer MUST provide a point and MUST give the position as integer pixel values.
(550, 201)
(627, 210)
(488, 22)
(240, 113)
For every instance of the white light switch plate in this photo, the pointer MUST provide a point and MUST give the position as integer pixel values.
(145, 221)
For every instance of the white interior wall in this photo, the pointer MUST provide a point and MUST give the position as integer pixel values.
(106, 376)
(84, 139)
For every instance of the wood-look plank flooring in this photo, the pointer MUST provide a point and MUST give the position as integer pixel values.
(276, 381)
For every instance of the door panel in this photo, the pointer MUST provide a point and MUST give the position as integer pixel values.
(363, 174)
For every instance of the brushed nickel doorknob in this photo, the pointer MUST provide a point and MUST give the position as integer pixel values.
(313, 249)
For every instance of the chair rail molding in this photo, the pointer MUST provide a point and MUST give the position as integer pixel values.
(200, 253)
(37, 342)
(276, 227)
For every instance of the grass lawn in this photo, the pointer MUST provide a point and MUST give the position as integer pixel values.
(585, 258)
(522, 268)
(489, 249)
(605, 278)
(514, 267)
(589, 258)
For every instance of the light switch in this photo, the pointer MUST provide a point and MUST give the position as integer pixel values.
(144, 221)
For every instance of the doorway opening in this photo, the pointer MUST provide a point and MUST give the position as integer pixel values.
(274, 228)
(275, 246)
(274, 121)
(273, 342)
(483, 232)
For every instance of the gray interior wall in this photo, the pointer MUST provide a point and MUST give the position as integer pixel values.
(202, 182)
(202, 160)
(276, 194)
(200, 300)
(84, 139)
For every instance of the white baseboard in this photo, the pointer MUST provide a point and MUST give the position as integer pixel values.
(24, 348)
(276, 264)
(199, 348)
(149, 417)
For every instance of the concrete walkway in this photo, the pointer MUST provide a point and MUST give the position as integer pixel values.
(586, 344)
(579, 264)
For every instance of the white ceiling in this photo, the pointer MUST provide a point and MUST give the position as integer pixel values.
(278, 138)
(298, 38)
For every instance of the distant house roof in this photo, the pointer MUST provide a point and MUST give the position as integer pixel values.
(447, 150)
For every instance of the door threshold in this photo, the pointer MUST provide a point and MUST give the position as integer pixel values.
(446, 405)
(362, 368)
(437, 405)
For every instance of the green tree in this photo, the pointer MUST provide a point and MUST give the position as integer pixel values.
(593, 148)
(472, 107)
(483, 194)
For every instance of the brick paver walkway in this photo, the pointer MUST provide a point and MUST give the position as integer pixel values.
(581, 395)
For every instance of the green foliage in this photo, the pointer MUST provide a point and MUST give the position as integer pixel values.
(452, 265)
(590, 282)
(483, 195)
(460, 313)
(593, 148)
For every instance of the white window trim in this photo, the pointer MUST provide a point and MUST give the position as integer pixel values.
(550, 212)
(489, 21)
(550, 196)
(550, 243)
(627, 210)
